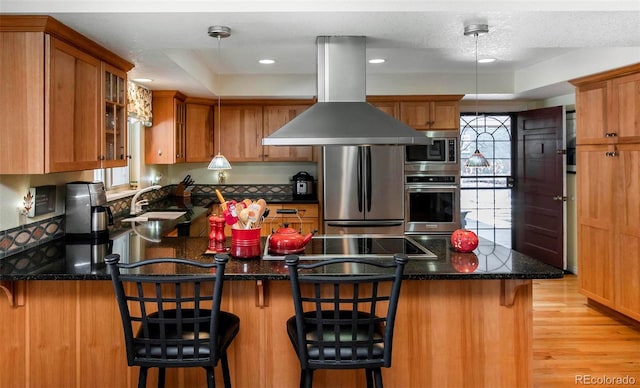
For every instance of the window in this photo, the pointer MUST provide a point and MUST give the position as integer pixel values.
(485, 193)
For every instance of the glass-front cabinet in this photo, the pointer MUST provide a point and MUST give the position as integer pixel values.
(114, 128)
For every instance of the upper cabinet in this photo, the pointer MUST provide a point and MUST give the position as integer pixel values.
(73, 134)
(274, 117)
(240, 132)
(423, 113)
(392, 108)
(114, 126)
(243, 124)
(54, 113)
(199, 130)
(165, 140)
(608, 107)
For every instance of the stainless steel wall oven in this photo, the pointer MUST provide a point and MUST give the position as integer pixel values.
(432, 202)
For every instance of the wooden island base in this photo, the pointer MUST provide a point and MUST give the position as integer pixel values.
(449, 333)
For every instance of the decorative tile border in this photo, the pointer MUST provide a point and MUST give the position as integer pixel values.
(249, 190)
(27, 236)
(23, 237)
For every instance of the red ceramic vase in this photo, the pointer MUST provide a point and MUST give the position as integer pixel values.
(463, 240)
(464, 262)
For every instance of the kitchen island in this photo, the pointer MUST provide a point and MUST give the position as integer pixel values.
(463, 319)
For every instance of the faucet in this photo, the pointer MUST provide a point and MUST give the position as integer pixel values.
(136, 206)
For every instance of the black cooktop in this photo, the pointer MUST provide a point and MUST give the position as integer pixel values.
(351, 245)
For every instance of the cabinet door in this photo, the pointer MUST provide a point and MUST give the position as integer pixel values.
(627, 241)
(391, 108)
(164, 141)
(596, 206)
(180, 111)
(625, 117)
(73, 136)
(274, 118)
(22, 103)
(416, 114)
(445, 115)
(114, 126)
(591, 114)
(241, 132)
(199, 132)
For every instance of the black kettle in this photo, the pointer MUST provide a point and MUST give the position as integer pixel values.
(303, 185)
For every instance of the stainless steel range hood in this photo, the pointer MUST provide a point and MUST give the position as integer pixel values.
(342, 116)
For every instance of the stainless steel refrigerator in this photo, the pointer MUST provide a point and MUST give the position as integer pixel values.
(363, 189)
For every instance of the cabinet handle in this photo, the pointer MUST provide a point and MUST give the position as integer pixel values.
(159, 152)
(101, 157)
(610, 134)
(611, 153)
(559, 198)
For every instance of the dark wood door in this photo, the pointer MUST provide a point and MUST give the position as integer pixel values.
(538, 194)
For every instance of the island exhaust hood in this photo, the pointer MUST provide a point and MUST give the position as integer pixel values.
(342, 116)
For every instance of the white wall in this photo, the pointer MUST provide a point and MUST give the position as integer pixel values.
(13, 188)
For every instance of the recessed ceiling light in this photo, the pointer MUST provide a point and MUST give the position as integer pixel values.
(486, 60)
(267, 61)
(377, 60)
(142, 80)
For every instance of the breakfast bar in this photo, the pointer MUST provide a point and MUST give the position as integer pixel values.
(463, 317)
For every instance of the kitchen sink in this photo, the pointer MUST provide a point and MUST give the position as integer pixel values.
(155, 216)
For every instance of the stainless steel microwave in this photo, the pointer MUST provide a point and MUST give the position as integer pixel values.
(442, 149)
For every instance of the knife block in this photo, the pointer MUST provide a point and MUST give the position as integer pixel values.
(180, 191)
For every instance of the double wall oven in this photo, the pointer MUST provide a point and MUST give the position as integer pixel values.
(432, 184)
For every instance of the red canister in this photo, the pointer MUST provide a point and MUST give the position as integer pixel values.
(245, 243)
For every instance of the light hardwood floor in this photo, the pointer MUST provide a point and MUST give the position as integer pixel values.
(575, 341)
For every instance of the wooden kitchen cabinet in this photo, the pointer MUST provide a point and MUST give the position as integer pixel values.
(199, 130)
(431, 115)
(74, 133)
(52, 110)
(463, 319)
(240, 133)
(596, 206)
(608, 230)
(627, 229)
(275, 116)
(307, 223)
(114, 127)
(424, 112)
(392, 108)
(608, 107)
(608, 188)
(165, 140)
(243, 124)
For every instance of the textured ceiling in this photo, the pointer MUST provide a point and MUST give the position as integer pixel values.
(539, 45)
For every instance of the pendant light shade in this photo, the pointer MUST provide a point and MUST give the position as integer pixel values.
(477, 160)
(219, 162)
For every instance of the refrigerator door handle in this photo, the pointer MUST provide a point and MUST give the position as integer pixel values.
(359, 174)
(369, 184)
(376, 224)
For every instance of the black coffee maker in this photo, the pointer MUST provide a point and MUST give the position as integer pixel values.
(87, 213)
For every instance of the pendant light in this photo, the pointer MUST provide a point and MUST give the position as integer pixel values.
(219, 162)
(477, 159)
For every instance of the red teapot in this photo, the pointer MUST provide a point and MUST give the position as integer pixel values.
(287, 240)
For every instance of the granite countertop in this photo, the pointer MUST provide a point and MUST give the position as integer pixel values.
(65, 260)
